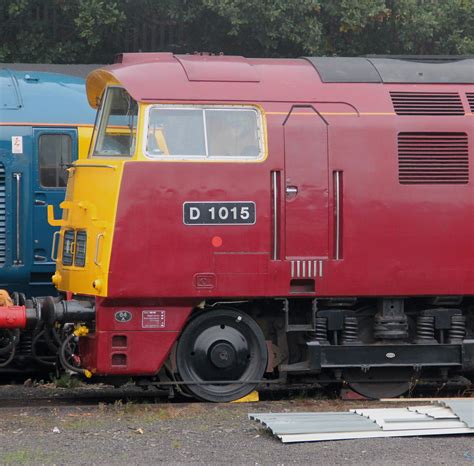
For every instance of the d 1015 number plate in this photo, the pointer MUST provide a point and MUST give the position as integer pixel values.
(219, 213)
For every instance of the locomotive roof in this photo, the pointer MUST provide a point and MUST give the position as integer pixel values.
(43, 98)
(405, 70)
(80, 70)
(165, 76)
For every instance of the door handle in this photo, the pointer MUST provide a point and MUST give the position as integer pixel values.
(17, 178)
(40, 202)
(291, 190)
(53, 247)
(97, 245)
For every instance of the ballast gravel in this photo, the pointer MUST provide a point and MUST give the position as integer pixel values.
(145, 431)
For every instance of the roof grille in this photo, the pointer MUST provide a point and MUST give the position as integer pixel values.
(470, 99)
(433, 158)
(427, 103)
(3, 218)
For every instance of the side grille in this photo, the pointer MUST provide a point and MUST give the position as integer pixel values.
(81, 244)
(433, 158)
(3, 218)
(427, 103)
(470, 99)
(68, 247)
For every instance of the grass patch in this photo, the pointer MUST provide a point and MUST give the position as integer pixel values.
(176, 444)
(67, 381)
(25, 457)
(83, 423)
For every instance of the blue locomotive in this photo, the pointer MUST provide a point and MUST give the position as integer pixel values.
(45, 124)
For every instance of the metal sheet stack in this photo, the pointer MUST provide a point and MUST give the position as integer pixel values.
(442, 417)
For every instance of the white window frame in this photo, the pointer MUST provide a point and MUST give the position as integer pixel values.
(95, 135)
(205, 158)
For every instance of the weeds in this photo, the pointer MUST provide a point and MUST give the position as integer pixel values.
(67, 381)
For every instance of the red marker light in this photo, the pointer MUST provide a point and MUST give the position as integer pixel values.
(217, 241)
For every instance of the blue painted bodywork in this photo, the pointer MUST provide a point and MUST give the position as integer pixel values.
(33, 104)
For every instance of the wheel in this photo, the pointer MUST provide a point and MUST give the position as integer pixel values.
(221, 345)
(380, 382)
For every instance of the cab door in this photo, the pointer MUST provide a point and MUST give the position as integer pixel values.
(306, 186)
(54, 149)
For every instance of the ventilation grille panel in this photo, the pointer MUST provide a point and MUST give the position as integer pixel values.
(3, 218)
(433, 158)
(427, 103)
(470, 99)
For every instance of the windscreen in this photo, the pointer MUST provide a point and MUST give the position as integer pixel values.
(118, 119)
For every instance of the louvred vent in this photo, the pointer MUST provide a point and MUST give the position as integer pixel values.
(427, 103)
(433, 158)
(470, 99)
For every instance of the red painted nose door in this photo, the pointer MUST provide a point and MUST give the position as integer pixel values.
(306, 184)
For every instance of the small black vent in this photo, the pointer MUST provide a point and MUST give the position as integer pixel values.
(3, 218)
(81, 246)
(470, 99)
(68, 247)
(427, 103)
(433, 158)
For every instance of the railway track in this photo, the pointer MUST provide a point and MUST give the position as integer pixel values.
(47, 396)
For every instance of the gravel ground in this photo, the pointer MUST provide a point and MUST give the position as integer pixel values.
(164, 432)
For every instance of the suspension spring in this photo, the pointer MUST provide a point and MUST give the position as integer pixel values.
(457, 332)
(24, 347)
(350, 332)
(321, 329)
(425, 329)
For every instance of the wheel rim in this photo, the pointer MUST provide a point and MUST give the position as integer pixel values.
(221, 345)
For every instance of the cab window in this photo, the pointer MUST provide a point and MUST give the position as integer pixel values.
(55, 154)
(216, 133)
(118, 118)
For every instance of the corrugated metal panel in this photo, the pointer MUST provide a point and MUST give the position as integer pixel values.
(444, 418)
(317, 437)
(463, 409)
(404, 419)
(303, 423)
(437, 412)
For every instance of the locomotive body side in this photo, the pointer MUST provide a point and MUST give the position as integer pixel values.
(45, 125)
(335, 214)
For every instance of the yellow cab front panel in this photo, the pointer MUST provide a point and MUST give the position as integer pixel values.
(87, 227)
(91, 200)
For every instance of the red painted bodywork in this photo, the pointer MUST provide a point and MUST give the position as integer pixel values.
(393, 235)
(397, 240)
(13, 317)
(132, 347)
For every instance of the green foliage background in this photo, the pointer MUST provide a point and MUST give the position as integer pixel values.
(93, 31)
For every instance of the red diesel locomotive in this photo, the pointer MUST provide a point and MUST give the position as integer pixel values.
(244, 221)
